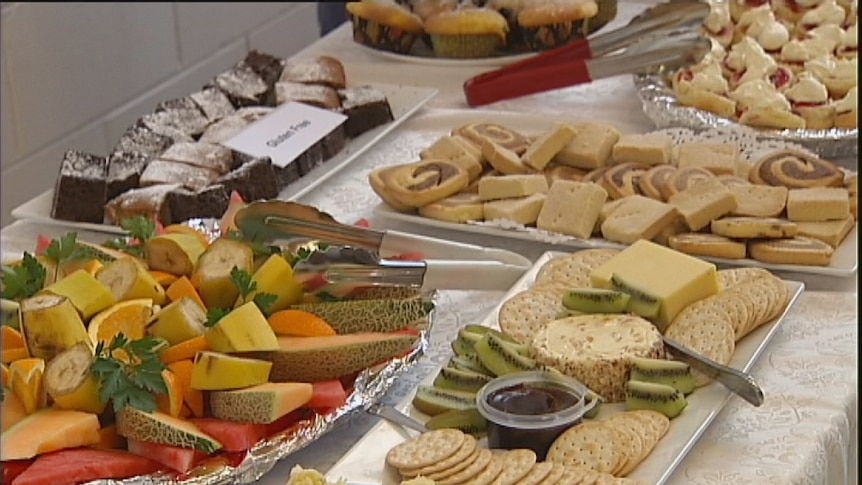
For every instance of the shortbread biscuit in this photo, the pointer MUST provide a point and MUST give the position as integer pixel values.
(702, 202)
(512, 186)
(753, 227)
(447, 148)
(683, 178)
(706, 100)
(757, 200)
(638, 217)
(718, 158)
(818, 204)
(420, 183)
(830, 232)
(554, 172)
(557, 214)
(677, 226)
(461, 207)
(607, 208)
(648, 149)
(703, 244)
(799, 250)
(524, 210)
(545, 147)
(502, 159)
(590, 147)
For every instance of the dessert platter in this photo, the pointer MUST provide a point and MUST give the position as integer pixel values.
(235, 362)
(195, 173)
(526, 305)
(429, 137)
(788, 72)
(473, 33)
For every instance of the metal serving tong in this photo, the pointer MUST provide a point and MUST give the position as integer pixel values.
(739, 383)
(358, 259)
(583, 61)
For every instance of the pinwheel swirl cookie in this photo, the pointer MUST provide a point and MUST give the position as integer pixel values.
(420, 183)
(796, 169)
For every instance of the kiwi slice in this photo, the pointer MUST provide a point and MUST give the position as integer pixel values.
(665, 399)
(479, 330)
(433, 400)
(595, 300)
(467, 420)
(500, 358)
(462, 348)
(460, 380)
(590, 397)
(640, 301)
(661, 371)
(470, 362)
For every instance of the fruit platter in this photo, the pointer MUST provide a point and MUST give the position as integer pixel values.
(651, 393)
(182, 355)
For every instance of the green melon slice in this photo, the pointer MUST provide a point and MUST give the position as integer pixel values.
(46, 430)
(260, 404)
(357, 316)
(158, 427)
(311, 359)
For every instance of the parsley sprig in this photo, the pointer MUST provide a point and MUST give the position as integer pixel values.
(243, 280)
(66, 249)
(129, 372)
(258, 247)
(23, 280)
(140, 229)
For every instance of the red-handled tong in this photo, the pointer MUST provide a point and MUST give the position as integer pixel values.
(580, 61)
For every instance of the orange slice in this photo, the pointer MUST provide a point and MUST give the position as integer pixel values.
(128, 317)
(12, 339)
(193, 398)
(172, 402)
(26, 379)
(5, 374)
(7, 356)
(182, 287)
(299, 323)
(163, 278)
(184, 350)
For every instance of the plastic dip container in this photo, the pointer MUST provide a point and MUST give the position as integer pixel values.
(531, 409)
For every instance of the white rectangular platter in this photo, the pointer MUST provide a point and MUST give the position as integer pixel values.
(365, 462)
(421, 131)
(403, 100)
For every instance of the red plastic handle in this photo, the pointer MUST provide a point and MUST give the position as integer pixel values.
(563, 66)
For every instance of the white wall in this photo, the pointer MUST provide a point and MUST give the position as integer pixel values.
(76, 75)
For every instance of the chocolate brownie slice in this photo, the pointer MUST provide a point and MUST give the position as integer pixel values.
(140, 139)
(334, 141)
(166, 172)
(314, 94)
(150, 202)
(201, 154)
(366, 108)
(324, 70)
(178, 124)
(253, 180)
(186, 204)
(213, 103)
(223, 129)
(266, 66)
(81, 188)
(244, 87)
(124, 171)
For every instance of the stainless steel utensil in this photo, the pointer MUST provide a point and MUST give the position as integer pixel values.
(740, 383)
(396, 417)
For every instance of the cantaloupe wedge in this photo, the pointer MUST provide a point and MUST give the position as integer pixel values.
(46, 430)
(311, 359)
(11, 410)
(260, 404)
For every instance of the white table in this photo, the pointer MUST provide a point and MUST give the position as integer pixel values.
(806, 431)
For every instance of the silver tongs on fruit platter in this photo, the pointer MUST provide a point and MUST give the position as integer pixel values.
(602, 56)
(360, 255)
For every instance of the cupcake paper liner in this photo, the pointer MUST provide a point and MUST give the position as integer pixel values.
(383, 37)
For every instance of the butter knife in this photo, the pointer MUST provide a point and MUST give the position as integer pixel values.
(738, 382)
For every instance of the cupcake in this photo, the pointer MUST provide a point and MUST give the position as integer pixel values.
(510, 10)
(428, 8)
(546, 25)
(384, 25)
(467, 33)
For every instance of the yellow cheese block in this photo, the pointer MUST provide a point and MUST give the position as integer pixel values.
(673, 278)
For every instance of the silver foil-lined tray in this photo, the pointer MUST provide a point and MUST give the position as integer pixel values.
(661, 106)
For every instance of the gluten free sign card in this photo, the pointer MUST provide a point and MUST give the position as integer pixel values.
(286, 133)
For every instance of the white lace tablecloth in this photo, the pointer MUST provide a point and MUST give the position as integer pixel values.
(805, 432)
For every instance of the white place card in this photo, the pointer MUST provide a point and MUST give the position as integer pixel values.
(286, 133)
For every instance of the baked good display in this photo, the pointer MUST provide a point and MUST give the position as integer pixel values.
(546, 25)
(466, 33)
(713, 196)
(590, 147)
(776, 64)
(798, 250)
(384, 25)
(179, 143)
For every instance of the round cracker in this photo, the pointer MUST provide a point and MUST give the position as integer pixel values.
(595, 257)
(736, 308)
(632, 446)
(712, 338)
(591, 444)
(517, 464)
(554, 475)
(564, 270)
(489, 474)
(425, 449)
(452, 464)
(522, 315)
(480, 463)
(658, 420)
(537, 473)
(573, 474)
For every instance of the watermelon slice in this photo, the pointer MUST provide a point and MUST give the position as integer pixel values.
(327, 394)
(13, 468)
(233, 436)
(173, 457)
(79, 465)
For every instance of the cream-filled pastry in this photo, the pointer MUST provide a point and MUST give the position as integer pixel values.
(760, 24)
(718, 24)
(828, 12)
(847, 110)
(759, 93)
(809, 98)
(739, 7)
(747, 61)
(849, 40)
